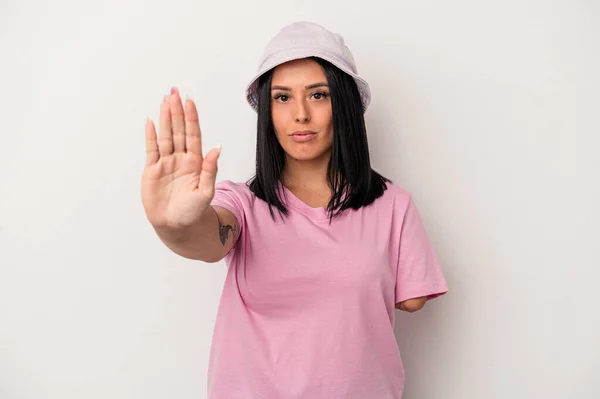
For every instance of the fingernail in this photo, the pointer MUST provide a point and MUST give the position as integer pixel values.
(218, 150)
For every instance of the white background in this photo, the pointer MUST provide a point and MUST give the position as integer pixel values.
(486, 111)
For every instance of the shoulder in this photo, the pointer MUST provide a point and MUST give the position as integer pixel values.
(396, 196)
(239, 189)
(231, 185)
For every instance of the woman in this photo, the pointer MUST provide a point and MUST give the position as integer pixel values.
(320, 248)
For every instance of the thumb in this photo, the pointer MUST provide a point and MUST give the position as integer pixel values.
(208, 174)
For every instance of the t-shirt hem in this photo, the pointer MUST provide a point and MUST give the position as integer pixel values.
(230, 208)
(431, 291)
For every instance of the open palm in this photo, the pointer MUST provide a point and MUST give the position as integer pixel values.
(178, 183)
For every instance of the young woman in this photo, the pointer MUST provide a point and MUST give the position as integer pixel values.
(320, 248)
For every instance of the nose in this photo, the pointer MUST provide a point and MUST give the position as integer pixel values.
(302, 114)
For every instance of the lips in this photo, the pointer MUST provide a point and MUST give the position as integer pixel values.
(303, 132)
(303, 136)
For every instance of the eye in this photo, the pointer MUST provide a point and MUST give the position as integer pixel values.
(320, 94)
(279, 95)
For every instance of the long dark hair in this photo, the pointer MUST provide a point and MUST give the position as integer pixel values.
(349, 170)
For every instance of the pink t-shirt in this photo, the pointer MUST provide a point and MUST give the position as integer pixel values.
(307, 308)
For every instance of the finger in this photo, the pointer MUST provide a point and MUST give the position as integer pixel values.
(209, 171)
(165, 139)
(152, 154)
(193, 135)
(177, 121)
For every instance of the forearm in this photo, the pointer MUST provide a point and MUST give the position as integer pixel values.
(199, 241)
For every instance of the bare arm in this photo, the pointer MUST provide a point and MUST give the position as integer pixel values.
(209, 240)
(178, 185)
(412, 305)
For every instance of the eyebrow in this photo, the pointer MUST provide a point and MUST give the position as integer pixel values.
(311, 86)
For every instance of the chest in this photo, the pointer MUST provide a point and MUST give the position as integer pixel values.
(304, 260)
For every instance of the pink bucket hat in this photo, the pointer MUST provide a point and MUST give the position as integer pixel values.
(304, 39)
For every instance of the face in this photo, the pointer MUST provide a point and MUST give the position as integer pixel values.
(300, 101)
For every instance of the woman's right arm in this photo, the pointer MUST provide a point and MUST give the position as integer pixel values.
(209, 240)
(178, 185)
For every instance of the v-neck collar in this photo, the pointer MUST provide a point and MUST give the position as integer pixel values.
(319, 213)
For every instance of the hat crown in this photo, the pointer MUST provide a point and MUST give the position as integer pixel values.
(307, 35)
(304, 39)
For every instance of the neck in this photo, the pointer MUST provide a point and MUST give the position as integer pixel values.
(305, 174)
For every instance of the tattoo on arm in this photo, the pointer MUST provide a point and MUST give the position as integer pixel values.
(224, 230)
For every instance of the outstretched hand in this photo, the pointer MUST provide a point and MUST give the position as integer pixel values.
(178, 183)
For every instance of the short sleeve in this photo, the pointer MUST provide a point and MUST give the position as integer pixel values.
(419, 272)
(228, 196)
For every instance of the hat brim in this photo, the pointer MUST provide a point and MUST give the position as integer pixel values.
(298, 53)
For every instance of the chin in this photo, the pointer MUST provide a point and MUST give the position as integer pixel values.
(307, 155)
(304, 158)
